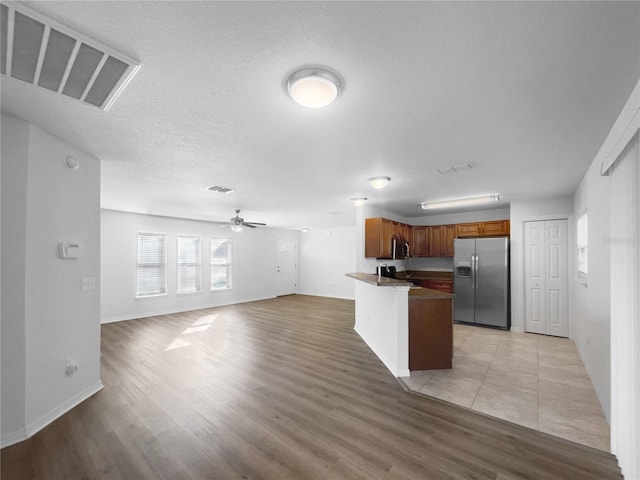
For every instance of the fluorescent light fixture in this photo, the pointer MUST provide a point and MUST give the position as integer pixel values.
(236, 227)
(358, 201)
(379, 182)
(461, 202)
(314, 87)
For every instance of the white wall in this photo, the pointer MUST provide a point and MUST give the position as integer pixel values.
(57, 319)
(254, 265)
(591, 319)
(325, 256)
(15, 150)
(522, 211)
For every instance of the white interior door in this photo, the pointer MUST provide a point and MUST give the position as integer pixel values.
(546, 277)
(287, 271)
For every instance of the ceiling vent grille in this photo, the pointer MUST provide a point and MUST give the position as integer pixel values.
(42, 52)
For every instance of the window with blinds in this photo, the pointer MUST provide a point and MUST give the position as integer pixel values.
(151, 267)
(189, 264)
(220, 263)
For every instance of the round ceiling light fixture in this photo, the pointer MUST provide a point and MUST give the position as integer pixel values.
(314, 87)
(359, 201)
(379, 182)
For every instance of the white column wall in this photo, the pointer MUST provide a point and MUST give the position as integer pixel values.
(57, 320)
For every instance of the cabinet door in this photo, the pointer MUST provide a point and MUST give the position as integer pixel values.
(448, 235)
(468, 230)
(386, 232)
(497, 228)
(434, 241)
(377, 238)
(419, 242)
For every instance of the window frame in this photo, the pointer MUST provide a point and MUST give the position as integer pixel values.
(228, 264)
(198, 264)
(163, 264)
(582, 246)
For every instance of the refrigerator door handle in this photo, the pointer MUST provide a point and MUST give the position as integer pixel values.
(475, 271)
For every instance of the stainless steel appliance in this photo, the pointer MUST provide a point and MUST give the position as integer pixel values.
(481, 281)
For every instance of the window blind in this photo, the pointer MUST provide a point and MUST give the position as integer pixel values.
(151, 265)
(189, 264)
(220, 263)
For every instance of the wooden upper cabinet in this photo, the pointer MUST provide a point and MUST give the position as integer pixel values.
(379, 234)
(496, 228)
(448, 235)
(468, 230)
(440, 240)
(493, 228)
(425, 241)
(377, 237)
(419, 245)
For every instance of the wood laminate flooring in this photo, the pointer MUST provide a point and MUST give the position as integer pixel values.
(277, 389)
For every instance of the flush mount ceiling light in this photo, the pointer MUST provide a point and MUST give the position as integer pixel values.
(461, 202)
(304, 229)
(379, 182)
(359, 201)
(314, 87)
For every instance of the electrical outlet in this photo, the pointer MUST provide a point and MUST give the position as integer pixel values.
(71, 367)
(88, 283)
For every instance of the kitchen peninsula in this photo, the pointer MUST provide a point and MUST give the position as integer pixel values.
(407, 327)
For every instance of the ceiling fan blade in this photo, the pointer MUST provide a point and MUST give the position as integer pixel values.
(255, 223)
(249, 225)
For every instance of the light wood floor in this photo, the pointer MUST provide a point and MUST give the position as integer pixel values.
(279, 389)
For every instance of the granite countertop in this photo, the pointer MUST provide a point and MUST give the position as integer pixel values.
(414, 292)
(379, 281)
(426, 275)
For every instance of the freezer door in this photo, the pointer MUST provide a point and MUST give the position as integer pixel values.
(492, 282)
(463, 279)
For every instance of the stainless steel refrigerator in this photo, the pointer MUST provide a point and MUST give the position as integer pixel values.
(481, 281)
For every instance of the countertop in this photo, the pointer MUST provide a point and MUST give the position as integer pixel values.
(414, 292)
(426, 275)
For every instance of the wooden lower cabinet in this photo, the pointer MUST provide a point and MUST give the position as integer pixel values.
(440, 285)
(430, 334)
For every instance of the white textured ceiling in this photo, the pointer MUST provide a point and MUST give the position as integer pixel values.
(526, 92)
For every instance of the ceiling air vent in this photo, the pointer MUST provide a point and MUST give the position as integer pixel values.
(218, 188)
(42, 52)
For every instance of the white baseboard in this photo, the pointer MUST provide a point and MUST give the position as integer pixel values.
(39, 423)
(391, 366)
(13, 437)
(134, 316)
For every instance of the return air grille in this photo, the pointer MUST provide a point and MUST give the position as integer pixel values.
(41, 52)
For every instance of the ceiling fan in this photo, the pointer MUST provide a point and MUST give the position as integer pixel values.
(237, 222)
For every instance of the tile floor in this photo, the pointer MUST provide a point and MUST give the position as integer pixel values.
(532, 380)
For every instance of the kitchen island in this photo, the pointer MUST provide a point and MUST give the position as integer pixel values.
(407, 327)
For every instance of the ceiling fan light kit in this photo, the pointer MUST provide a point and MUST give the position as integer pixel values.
(237, 223)
(314, 87)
